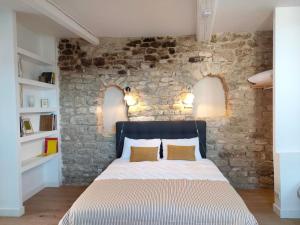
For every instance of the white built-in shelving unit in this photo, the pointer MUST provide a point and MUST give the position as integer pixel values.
(35, 84)
(29, 53)
(36, 161)
(33, 57)
(38, 135)
(37, 110)
(36, 171)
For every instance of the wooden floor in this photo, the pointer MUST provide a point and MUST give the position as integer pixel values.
(48, 206)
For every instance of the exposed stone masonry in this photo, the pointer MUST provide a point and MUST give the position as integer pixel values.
(159, 69)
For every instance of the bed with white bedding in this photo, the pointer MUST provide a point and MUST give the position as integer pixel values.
(164, 192)
(160, 193)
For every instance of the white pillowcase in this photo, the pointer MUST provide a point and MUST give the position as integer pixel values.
(182, 142)
(139, 143)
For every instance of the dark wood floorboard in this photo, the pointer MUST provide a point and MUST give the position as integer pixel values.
(48, 207)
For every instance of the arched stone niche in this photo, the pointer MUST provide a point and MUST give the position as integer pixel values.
(114, 109)
(210, 98)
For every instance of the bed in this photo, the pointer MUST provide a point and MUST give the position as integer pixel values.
(166, 192)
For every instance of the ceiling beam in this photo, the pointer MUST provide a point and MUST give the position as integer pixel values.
(52, 11)
(206, 11)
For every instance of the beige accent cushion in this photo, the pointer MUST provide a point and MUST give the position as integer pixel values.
(139, 154)
(176, 152)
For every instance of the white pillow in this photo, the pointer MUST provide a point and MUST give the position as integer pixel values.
(139, 143)
(182, 142)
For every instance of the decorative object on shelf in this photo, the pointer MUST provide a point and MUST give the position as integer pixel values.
(188, 98)
(129, 98)
(20, 69)
(47, 77)
(51, 146)
(44, 103)
(47, 122)
(27, 126)
(262, 80)
(31, 101)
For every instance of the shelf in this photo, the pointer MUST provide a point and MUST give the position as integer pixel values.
(38, 135)
(34, 57)
(36, 161)
(257, 86)
(35, 83)
(37, 110)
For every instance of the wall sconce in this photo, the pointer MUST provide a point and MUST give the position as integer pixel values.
(129, 98)
(188, 98)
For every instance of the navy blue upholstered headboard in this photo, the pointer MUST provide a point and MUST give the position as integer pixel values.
(160, 129)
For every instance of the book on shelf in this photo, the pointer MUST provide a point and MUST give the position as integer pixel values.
(47, 77)
(21, 127)
(48, 122)
(51, 146)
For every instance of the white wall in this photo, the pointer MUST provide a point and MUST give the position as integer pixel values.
(209, 98)
(10, 191)
(287, 110)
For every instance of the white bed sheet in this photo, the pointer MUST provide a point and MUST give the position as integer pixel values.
(203, 169)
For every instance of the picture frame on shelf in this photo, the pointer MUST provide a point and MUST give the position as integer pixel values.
(27, 126)
(44, 103)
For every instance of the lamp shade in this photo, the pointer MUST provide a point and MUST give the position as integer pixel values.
(262, 79)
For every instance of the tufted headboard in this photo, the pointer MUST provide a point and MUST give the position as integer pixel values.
(160, 129)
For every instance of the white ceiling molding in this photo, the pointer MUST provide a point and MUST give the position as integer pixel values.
(51, 10)
(206, 11)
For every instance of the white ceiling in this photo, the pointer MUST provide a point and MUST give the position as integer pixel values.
(33, 20)
(130, 18)
(247, 15)
(134, 18)
(42, 24)
(127, 18)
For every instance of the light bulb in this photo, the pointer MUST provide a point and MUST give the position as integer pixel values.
(130, 100)
(188, 99)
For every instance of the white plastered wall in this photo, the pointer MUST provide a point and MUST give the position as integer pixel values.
(287, 111)
(209, 98)
(114, 109)
(10, 179)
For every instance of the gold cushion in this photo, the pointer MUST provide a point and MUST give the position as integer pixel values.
(181, 152)
(139, 154)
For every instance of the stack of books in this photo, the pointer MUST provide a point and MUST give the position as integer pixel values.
(48, 122)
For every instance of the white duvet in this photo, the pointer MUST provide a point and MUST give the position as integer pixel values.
(203, 169)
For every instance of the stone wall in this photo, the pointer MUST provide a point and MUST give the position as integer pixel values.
(159, 70)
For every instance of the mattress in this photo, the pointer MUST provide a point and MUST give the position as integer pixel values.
(160, 193)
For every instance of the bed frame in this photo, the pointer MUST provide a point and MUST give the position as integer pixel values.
(161, 129)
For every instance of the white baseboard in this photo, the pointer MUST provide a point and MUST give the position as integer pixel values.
(14, 212)
(290, 214)
(32, 192)
(276, 209)
(54, 184)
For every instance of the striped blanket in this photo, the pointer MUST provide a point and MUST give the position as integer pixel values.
(159, 202)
